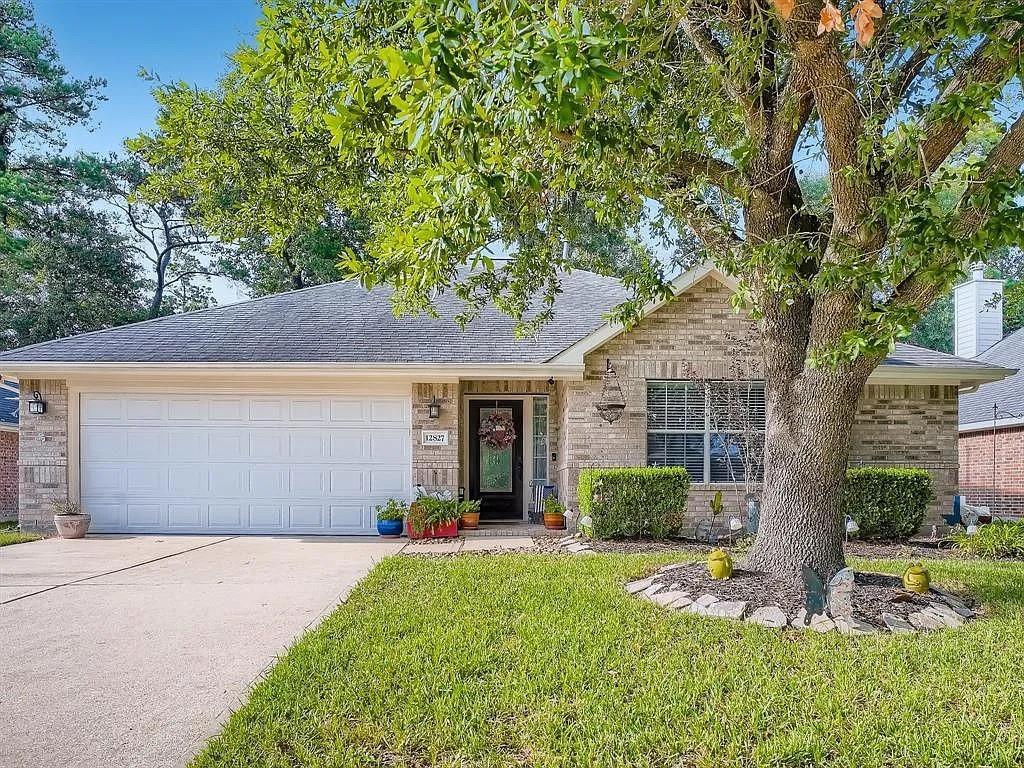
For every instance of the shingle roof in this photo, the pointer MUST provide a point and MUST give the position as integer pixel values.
(338, 322)
(8, 406)
(343, 323)
(1006, 395)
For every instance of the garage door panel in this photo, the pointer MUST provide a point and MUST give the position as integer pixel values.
(188, 516)
(104, 442)
(236, 464)
(144, 515)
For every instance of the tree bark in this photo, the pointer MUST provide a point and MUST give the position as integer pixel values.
(807, 445)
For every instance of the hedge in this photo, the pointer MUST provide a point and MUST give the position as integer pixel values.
(634, 502)
(888, 503)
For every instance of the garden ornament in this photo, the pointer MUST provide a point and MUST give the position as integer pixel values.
(719, 564)
(916, 579)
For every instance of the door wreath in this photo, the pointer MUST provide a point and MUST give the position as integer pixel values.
(497, 431)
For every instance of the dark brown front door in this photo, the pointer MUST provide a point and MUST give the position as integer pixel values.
(496, 474)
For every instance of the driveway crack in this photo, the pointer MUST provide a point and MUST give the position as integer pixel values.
(118, 570)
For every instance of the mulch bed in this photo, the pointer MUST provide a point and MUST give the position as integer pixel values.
(873, 595)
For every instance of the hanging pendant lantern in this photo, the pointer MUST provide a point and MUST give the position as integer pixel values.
(612, 403)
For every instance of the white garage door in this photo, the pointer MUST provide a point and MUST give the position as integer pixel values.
(229, 464)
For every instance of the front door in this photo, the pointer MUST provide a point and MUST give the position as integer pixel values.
(495, 469)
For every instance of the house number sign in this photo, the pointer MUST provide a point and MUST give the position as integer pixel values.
(434, 437)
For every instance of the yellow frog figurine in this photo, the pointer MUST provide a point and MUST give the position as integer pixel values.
(719, 564)
(916, 579)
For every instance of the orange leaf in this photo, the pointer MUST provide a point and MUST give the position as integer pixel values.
(864, 13)
(830, 19)
(784, 7)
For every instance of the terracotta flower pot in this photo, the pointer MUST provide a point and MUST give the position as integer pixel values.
(449, 530)
(470, 519)
(72, 526)
(554, 522)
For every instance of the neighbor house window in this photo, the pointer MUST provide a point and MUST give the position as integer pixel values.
(706, 427)
(540, 438)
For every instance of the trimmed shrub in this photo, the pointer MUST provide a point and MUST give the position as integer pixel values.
(635, 502)
(886, 502)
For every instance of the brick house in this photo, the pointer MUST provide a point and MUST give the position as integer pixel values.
(991, 421)
(8, 452)
(300, 412)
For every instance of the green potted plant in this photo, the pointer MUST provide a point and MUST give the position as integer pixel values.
(469, 513)
(554, 514)
(69, 519)
(433, 518)
(390, 518)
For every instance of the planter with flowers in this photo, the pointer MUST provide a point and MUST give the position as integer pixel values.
(554, 514)
(390, 519)
(433, 518)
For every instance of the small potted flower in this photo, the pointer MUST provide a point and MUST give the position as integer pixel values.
(554, 514)
(390, 518)
(469, 514)
(69, 519)
(433, 518)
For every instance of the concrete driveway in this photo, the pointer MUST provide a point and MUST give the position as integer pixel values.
(132, 650)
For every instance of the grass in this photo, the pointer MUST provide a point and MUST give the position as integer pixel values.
(9, 534)
(545, 661)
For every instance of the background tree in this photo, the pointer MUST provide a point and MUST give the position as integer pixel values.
(161, 233)
(256, 177)
(64, 267)
(459, 126)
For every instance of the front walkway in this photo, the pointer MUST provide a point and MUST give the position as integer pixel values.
(130, 651)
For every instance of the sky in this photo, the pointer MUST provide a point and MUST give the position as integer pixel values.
(186, 40)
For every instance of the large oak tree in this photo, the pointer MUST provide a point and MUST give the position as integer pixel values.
(471, 123)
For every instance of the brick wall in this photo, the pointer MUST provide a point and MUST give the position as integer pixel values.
(1006, 494)
(910, 426)
(43, 460)
(435, 467)
(897, 426)
(8, 475)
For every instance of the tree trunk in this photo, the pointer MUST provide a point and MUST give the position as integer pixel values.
(807, 445)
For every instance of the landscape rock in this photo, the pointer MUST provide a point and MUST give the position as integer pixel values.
(652, 590)
(947, 615)
(576, 548)
(639, 585)
(681, 602)
(769, 616)
(847, 625)
(840, 593)
(897, 625)
(819, 622)
(957, 605)
(926, 621)
(673, 567)
(727, 609)
(702, 603)
(668, 597)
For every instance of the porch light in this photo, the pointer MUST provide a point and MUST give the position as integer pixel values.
(434, 408)
(36, 405)
(612, 403)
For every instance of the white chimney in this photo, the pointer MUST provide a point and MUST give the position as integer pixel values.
(977, 313)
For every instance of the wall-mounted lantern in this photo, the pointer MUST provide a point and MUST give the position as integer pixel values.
(36, 405)
(434, 408)
(612, 403)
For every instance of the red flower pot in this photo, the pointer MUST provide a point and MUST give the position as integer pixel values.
(449, 530)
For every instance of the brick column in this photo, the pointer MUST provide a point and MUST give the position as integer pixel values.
(43, 459)
(436, 467)
(8, 475)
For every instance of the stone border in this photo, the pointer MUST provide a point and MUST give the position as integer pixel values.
(944, 611)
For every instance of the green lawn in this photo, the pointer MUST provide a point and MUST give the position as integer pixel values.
(9, 534)
(544, 661)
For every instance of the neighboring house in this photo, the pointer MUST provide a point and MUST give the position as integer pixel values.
(300, 412)
(991, 418)
(8, 451)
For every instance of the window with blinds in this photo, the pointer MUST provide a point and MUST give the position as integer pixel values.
(706, 427)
